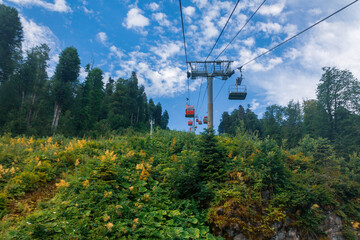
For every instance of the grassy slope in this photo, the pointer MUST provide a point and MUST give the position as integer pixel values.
(134, 187)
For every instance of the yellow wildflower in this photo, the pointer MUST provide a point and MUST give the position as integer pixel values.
(85, 183)
(106, 218)
(142, 154)
(315, 206)
(355, 225)
(136, 220)
(107, 194)
(147, 197)
(109, 225)
(139, 166)
(62, 183)
(77, 162)
(130, 154)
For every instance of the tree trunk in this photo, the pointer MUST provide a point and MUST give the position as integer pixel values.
(29, 113)
(55, 121)
(22, 99)
(57, 118)
(137, 118)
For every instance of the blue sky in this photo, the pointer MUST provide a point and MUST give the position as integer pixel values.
(121, 36)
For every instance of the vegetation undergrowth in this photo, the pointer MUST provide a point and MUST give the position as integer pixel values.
(174, 185)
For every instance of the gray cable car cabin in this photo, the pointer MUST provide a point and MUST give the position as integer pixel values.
(237, 92)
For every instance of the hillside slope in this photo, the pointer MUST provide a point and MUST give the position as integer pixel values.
(176, 186)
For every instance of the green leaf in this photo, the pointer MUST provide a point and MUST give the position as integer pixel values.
(194, 232)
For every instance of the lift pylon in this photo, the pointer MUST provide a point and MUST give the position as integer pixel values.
(210, 70)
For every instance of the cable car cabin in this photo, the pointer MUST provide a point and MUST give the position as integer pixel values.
(190, 122)
(237, 92)
(189, 111)
(205, 120)
(200, 122)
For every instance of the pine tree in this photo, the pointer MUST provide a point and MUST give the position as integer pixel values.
(65, 81)
(11, 35)
(211, 160)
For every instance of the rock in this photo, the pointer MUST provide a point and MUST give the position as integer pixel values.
(240, 237)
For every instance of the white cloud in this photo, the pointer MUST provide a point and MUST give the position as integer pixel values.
(270, 28)
(87, 11)
(83, 74)
(167, 50)
(201, 3)
(254, 104)
(273, 10)
(135, 20)
(161, 18)
(153, 6)
(114, 51)
(102, 37)
(189, 11)
(57, 6)
(249, 42)
(315, 11)
(35, 35)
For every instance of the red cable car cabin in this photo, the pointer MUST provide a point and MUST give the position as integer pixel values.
(205, 120)
(189, 111)
(190, 122)
(200, 122)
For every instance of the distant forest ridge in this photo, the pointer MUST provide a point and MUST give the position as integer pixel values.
(33, 103)
(333, 115)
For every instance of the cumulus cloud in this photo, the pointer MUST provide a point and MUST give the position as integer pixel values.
(136, 20)
(189, 11)
(114, 51)
(102, 37)
(269, 28)
(153, 6)
(201, 3)
(35, 35)
(162, 19)
(57, 6)
(167, 50)
(273, 10)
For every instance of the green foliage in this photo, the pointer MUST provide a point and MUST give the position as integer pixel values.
(211, 159)
(11, 35)
(175, 185)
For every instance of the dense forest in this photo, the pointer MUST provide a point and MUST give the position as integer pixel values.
(33, 103)
(334, 115)
(76, 163)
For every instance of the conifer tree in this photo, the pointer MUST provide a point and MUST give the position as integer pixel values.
(64, 82)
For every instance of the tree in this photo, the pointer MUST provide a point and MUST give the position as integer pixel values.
(89, 101)
(293, 124)
(164, 120)
(36, 65)
(211, 159)
(11, 35)
(225, 123)
(315, 119)
(157, 114)
(338, 89)
(64, 82)
(272, 122)
(252, 123)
